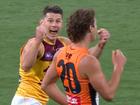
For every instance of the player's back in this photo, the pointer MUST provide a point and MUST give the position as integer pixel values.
(78, 89)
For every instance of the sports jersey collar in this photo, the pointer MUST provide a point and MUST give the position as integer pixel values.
(75, 48)
(49, 42)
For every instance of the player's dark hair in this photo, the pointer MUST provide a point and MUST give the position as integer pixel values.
(79, 24)
(52, 9)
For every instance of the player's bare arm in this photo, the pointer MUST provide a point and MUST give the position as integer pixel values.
(104, 36)
(33, 48)
(96, 77)
(49, 84)
(96, 51)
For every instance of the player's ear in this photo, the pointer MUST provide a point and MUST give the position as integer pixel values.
(91, 28)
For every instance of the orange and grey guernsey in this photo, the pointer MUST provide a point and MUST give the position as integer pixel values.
(30, 82)
(78, 90)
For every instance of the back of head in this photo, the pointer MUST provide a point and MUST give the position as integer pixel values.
(52, 9)
(79, 24)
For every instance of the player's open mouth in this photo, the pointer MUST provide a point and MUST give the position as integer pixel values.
(53, 31)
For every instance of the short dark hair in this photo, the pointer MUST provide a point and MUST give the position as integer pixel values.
(52, 9)
(79, 24)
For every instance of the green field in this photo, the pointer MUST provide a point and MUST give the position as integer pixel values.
(18, 20)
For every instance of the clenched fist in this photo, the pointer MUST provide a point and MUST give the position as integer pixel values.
(104, 35)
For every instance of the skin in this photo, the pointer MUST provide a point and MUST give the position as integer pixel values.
(96, 77)
(93, 72)
(48, 29)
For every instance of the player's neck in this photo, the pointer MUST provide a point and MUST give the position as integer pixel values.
(52, 42)
(82, 44)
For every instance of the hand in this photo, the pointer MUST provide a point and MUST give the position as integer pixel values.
(104, 36)
(118, 59)
(41, 31)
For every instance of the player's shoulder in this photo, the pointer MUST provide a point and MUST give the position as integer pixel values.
(64, 39)
(88, 61)
(30, 40)
(88, 65)
(28, 44)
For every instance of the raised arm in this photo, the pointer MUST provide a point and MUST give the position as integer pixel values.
(93, 72)
(98, 48)
(33, 49)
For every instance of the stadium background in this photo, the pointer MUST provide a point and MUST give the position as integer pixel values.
(19, 18)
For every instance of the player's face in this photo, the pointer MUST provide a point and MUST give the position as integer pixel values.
(53, 23)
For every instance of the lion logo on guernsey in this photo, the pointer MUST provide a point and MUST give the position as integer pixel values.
(49, 56)
(73, 100)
